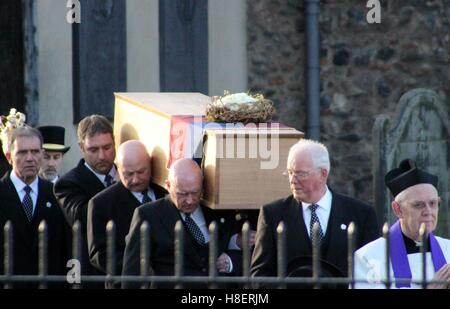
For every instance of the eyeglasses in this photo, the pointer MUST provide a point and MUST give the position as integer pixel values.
(299, 175)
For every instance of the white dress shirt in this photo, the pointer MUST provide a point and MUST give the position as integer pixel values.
(323, 211)
(102, 177)
(20, 186)
(139, 196)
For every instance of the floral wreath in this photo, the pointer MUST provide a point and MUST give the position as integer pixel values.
(8, 124)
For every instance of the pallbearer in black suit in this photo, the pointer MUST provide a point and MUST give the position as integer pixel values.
(183, 203)
(94, 172)
(26, 200)
(54, 150)
(308, 167)
(119, 201)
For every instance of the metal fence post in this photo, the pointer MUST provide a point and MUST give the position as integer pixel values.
(43, 253)
(246, 253)
(212, 254)
(111, 251)
(423, 253)
(76, 248)
(9, 253)
(179, 252)
(387, 253)
(145, 252)
(281, 253)
(316, 245)
(351, 231)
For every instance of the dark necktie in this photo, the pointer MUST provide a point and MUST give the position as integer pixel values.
(315, 219)
(27, 203)
(194, 230)
(109, 180)
(145, 198)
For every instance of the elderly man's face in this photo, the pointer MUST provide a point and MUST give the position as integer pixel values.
(51, 164)
(416, 205)
(185, 193)
(306, 181)
(99, 152)
(26, 157)
(135, 174)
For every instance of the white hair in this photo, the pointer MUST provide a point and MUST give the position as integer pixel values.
(317, 151)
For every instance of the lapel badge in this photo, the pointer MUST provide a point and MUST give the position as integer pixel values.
(222, 220)
(343, 227)
(49, 205)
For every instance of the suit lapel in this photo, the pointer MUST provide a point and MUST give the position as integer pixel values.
(297, 227)
(43, 207)
(159, 191)
(129, 202)
(336, 235)
(14, 210)
(93, 184)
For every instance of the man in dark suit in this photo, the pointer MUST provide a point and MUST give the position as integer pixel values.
(311, 202)
(94, 172)
(118, 203)
(182, 204)
(26, 200)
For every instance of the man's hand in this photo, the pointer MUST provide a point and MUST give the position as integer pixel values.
(442, 275)
(239, 239)
(223, 263)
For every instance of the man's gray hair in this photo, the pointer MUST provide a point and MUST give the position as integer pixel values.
(25, 131)
(317, 151)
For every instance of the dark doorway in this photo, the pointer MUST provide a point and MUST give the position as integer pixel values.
(11, 55)
(12, 92)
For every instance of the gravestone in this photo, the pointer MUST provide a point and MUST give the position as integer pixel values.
(421, 131)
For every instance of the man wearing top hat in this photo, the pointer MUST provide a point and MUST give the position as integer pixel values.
(416, 201)
(54, 151)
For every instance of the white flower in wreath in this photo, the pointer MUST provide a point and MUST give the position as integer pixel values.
(8, 124)
(235, 100)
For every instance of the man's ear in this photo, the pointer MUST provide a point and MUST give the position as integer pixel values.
(8, 157)
(81, 146)
(167, 184)
(324, 172)
(396, 208)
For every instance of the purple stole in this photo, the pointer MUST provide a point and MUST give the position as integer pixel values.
(399, 257)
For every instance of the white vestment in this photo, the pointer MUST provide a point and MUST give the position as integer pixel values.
(370, 264)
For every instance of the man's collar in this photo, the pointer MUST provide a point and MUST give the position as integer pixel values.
(112, 172)
(19, 184)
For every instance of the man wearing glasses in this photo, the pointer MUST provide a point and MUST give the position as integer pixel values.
(308, 167)
(416, 202)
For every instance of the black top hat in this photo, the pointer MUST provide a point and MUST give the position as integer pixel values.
(53, 138)
(407, 175)
(302, 266)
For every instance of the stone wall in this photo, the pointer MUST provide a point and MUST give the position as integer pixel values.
(365, 68)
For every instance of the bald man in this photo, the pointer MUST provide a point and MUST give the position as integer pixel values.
(118, 202)
(182, 204)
